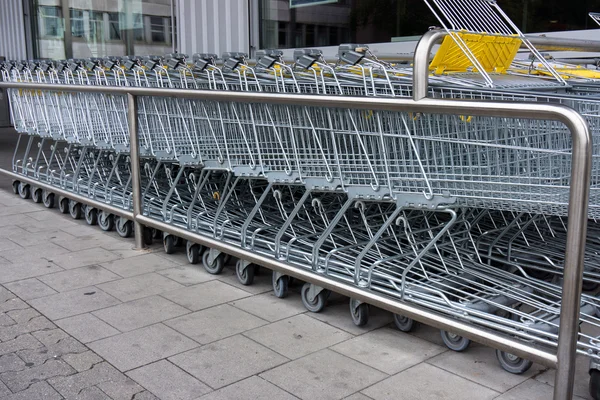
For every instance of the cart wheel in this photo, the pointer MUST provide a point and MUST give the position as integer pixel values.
(106, 221)
(91, 215)
(156, 234)
(24, 190)
(595, 384)
(124, 227)
(513, 364)
(147, 232)
(36, 195)
(63, 205)
(359, 312)
(455, 342)
(193, 252)
(178, 241)
(216, 267)
(48, 199)
(75, 209)
(227, 259)
(245, 275)
(404, 324)
(169, 244)
(318, 303)
(15, 186)
(589, 286)
(281, 285)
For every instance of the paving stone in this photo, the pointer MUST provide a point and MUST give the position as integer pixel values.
(78, 278)
(297, 336)
(5, 320)
(82, 361)
(323, 375)
(169, 382)
(188, 274)
(388, 350)
(139, 313)
(229, 360)
(92, 393)
(21, 380)
(33, 239)
(205, 295)
(7, 245)
(531, 390)
(37, 391)
(34, 324)
(85, 257)
(5, 295)
(13, 304)
(142, 346)
(4, 391)
(23, 315)
(338, 315)
(71, 386)
(357, 396)
(23, 342)
(122, 389)
(41, 251)
(252, 388)
(22, 208)
(582, 377)
(145, 395)
(140, 286)
(428, 333)
(138, 265)
(29, 289)
(479, 364)
(262, 282)
(74, 302)
(28, 269)
(11, 363)
(268, 306)
(92, 240)
(55, 347)
(417, 383)
(128, 252)
(10, 230)
(215, 323)
(21, 220)
(87, 327)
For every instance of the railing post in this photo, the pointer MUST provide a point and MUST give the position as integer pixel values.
(136, 180)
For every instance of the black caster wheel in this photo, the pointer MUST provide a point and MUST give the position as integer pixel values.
(589, 286)
(124, 227)
(75, 209)
(106, 221)
(216, 267)
(227, 259)
(245, 275)
(455, 342)
(359, 312)
(91, 216)
(36, 195)
(193, 252)
(178, 241)
(317, 304)
(156, 234)
(15, 186)
(63, 205)
(594, 386)
(147, 232)
(48, 199)
(404, 324)
(169, 244)
(24, 190)
(513, 364)
(281, 285)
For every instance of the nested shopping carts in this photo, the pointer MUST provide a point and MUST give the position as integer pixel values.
(463, 215)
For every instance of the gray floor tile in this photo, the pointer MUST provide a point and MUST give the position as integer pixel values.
(388, 350)
(188, 274)
(29, 289)
(7, 245)
(32, 239)
(229, 360)
(142, 346)
(428, 333)
(168, 382)
(42, 251)
(357, 396)
(140, 286)
(530, 390)
(86, 327)
(75, 302)
(139, 313)
(215, 323)
(338, 315)
(298, 336)
(81, 258)
(205, 295)
(78, 278)
(252, 388)
(418, 383)
(271, 308)
(138, 265)
(38, 390)
(582, 377)
(94, 239)
(27, 269)
(323, 375)
(262, 282)
(480, 365)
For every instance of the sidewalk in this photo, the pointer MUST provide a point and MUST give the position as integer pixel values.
(83, 316)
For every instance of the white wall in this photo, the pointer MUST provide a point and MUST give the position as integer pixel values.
(12, 30)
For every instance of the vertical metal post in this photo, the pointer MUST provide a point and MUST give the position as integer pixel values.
(68, 40)
(136, 181)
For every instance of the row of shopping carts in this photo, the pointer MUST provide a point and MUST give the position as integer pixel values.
(463, 215)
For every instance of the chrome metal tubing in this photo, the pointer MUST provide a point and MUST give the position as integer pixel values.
(136, 179)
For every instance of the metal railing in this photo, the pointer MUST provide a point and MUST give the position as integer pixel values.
(563, 359)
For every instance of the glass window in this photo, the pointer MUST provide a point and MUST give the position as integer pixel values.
(77, 23)
(114, 30)
(157, 29)
(138, 32)
(50, 18)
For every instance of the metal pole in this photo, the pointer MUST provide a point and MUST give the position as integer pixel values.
(136, 180)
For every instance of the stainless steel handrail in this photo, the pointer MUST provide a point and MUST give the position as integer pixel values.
(579, 194)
